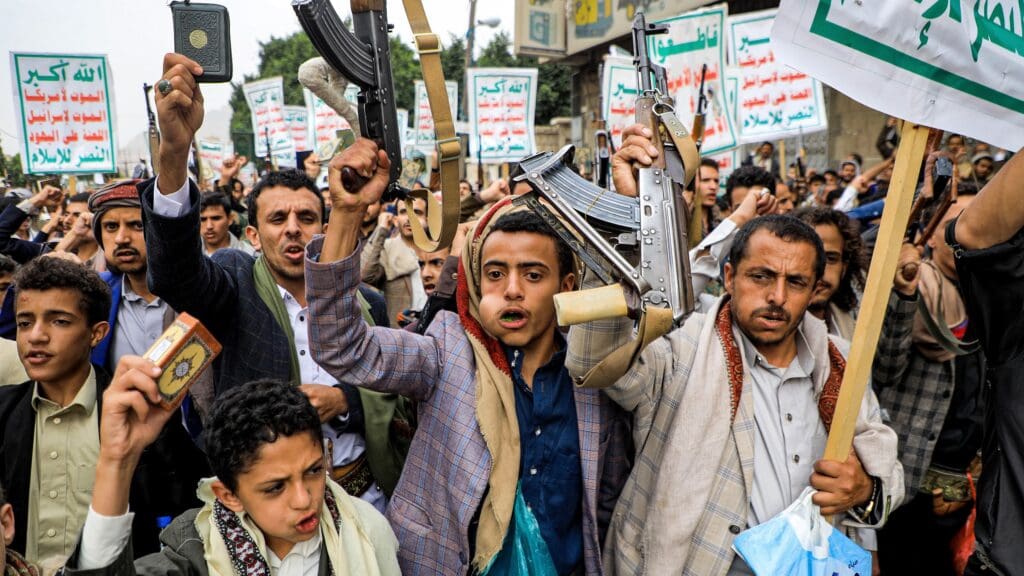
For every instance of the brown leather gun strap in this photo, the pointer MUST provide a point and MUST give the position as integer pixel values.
(443, 216)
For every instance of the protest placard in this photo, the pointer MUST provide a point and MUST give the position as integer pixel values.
(774, 100)
(424, 119)
(502, 105)
(406, 135)
(297, 119)
(728, 160)
(324, 121)
(618, 95)
(64, 103)
(941, 63)
(211, 157)
(693, 40)
(266, 102)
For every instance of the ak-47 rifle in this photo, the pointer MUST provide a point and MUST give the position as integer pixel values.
(695, 231)
(616, 228)
(363, 56)
(154, 134)
(700, 117)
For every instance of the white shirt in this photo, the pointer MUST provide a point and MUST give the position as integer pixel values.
(706, 262)
(848, 201)
(104, 537)
(790, 435)
(347, 447)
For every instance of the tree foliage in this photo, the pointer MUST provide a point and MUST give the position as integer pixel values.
(12, 169)
(554, 81)
(283, 56)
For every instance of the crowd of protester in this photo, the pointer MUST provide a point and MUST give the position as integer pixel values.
(379, 409)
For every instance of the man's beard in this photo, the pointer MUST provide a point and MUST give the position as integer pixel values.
(138, 267)
(775, 312)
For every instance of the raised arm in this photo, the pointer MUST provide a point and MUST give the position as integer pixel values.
(377, 358)
(178, 271)
(132, 419)
(21, 251)
(998, 211)
(893, 355)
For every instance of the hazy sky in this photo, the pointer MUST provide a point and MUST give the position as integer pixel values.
(135, 34)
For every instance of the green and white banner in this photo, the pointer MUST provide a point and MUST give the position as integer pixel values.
(947, 64)
(774, 101)
(65, 106)
(266, 101)
(693, 40)
(502, 107)
(424, 119)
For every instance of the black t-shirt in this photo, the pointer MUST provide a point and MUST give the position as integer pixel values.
(992, 284)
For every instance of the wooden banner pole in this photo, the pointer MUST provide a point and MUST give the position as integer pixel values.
(898, 202)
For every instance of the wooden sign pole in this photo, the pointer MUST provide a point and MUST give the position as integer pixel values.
(913, 141)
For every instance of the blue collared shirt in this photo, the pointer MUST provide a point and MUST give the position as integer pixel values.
(550, 471)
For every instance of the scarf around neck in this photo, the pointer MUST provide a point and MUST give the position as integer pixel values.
(234, 546)
(734, 366)
(267, 290)
(941, 317)
(495, 398)
(16, 565)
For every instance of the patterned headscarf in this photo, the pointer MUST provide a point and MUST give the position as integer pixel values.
(120, 194)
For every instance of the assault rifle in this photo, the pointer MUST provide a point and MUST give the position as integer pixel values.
(613, 229)
(363, 56)
(365, 59)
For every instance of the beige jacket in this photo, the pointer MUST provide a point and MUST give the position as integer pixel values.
(689, 492)
(11, 369)
(390, 265)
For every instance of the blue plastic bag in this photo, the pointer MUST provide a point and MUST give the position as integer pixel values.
(524, 551)
(799, 542)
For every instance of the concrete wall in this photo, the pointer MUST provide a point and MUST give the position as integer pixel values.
(852, 127)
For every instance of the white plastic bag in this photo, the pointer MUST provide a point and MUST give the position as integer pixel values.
(799, 542)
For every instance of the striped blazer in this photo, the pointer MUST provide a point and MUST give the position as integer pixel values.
(446, 472)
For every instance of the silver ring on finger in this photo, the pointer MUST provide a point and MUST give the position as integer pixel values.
(164, 87)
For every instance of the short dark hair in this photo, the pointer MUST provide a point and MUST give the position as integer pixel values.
(781, 226)
(854, 253)
(832, 172)
(246, 417)
(43, 274)
(7, 264)
(748, 177)
(816, 178)
(527, 221)
(214, 199)
(80, 197)
(709, 163)
(291, 179)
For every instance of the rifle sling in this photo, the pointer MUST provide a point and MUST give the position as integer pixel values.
(442, 217)
(684, 144)
(655, 323)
